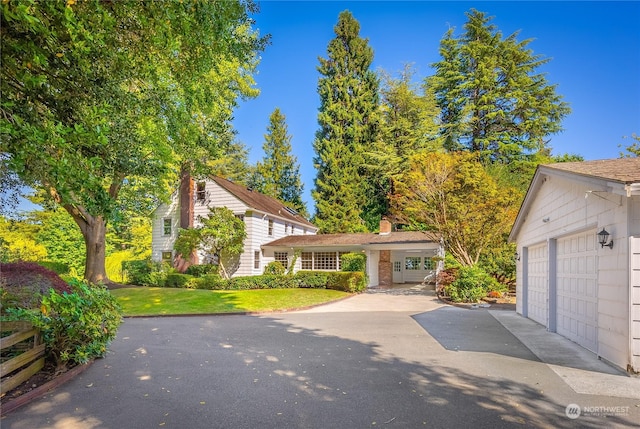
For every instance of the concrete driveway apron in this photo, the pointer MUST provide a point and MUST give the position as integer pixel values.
(396, 358)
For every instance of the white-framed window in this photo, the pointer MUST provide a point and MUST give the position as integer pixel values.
(282, 257)
(397, 266)
(286, 229)
(256, 259)
(429, 264)
(293, 229)
(201, 191)
(270, 231)
(306, 260)
(412, 263)
(166, 226)
(167, 256)
(240, 216)
(325, 261)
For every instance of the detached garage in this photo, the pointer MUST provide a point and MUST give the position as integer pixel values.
(578, 269)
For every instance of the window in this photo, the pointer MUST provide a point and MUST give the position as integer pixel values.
(306, 260)
(167, 256)
(412, 263)
(429, 264)
(240, 216)
(166, 226)
(397, 266)
(256, 259)
(293, 230)
(325, 261)
(201, 191)
(286, 229)
(270, 227)
(282, 257)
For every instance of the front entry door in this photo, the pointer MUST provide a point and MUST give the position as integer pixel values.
(397, 271)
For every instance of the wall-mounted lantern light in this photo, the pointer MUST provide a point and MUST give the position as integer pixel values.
(603, 236)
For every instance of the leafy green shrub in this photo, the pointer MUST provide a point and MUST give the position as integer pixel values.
(24, 284)
(57, 267)
(347, 281)
(76, 326)
(311, 279)
(471, 284)
(209, 282)
(145, 272)
(200, 270)
(353, 262)
(177, 280)
(274, 268)
(264, 281)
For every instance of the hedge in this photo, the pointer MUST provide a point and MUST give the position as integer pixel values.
(352, 282)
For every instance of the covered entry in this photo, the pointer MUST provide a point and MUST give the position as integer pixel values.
(413, 266)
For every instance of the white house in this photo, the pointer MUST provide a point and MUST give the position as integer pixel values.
(572, 277)
(275, 232)
(266, 219)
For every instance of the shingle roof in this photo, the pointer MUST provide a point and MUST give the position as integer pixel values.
(261, 202)
(397, 237)
(623, 170)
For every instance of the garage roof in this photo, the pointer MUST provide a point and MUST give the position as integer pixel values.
(624, 171)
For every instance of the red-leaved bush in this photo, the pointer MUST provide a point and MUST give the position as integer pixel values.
(23, 283)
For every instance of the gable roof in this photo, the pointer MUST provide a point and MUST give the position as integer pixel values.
(623, 170)
(624, 173)
(356, 239)
(262, 203)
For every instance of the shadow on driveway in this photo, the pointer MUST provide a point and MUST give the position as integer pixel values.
(248, 371)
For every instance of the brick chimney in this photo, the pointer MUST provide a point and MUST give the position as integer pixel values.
(186, 199)
(385, 226)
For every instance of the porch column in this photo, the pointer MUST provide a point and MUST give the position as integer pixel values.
(385, 275)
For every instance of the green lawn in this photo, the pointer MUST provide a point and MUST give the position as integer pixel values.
(150, 301)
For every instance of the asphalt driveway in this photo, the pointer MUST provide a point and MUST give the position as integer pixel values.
(397, 359)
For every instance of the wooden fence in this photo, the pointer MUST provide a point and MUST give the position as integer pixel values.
(21, 354)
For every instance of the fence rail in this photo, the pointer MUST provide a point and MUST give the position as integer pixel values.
(21, 354)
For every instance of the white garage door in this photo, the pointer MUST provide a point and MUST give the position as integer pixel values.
(577, 310)
(537, 284)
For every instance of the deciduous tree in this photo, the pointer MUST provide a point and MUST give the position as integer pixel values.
(219, 237)
(452, 194)
(98, 96)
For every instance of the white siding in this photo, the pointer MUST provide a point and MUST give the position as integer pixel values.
(567, 204)
(256, 225)
(160, 242)
(634, 256)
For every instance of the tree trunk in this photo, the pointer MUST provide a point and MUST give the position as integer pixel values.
(94, 230)
(95, 241)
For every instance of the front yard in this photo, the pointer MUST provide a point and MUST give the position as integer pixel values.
(150, 301)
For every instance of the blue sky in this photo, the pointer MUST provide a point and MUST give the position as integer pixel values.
(594, 49)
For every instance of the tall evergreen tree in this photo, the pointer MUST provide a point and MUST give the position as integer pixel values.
(348, 122)
(279, 172)
(494, 101)
(409, 124)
